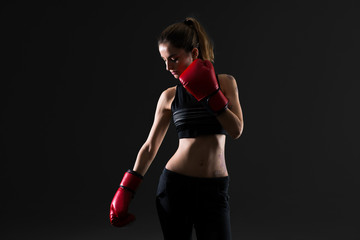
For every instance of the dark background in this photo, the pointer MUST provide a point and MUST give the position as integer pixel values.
(79, 86)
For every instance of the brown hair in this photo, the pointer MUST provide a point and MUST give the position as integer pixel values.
(188, 35)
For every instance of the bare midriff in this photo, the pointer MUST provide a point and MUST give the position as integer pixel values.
(202, 156)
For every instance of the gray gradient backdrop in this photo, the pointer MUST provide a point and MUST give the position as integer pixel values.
(79, 85)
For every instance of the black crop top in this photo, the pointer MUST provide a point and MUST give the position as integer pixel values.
(191, 118)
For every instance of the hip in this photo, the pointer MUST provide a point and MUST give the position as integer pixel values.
(178, 183)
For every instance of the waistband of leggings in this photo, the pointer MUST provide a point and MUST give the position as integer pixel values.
(172, 174)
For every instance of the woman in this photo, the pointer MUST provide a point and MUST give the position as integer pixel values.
(193, 188)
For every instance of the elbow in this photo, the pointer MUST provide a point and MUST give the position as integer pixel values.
(235, 135)
(148, 150)
(236, 132)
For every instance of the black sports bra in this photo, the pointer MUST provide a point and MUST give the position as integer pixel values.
(191, 118)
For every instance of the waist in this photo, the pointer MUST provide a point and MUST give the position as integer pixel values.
(191, 179)
(200, 157)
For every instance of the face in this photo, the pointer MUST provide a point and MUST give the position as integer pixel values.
(176, 59)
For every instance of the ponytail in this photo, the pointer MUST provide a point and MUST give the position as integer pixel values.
(189, 35)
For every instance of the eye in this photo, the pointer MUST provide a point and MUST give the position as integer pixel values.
(174, 59)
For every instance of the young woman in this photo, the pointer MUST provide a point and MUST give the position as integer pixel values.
(205, 107)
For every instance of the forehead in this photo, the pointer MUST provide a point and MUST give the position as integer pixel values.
(166, 50)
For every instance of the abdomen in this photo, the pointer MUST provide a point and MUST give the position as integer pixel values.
(202, 156)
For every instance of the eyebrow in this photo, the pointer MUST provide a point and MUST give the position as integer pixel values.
(172, 55)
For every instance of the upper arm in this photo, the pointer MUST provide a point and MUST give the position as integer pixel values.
(161, 120)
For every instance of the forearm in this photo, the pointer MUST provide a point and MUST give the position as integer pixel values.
(144, 159)
(232, 124)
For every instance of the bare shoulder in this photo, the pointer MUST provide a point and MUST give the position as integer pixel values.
(227, 83)
(167, 97)
(170, 92)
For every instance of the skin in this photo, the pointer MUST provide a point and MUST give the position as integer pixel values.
(202, 156)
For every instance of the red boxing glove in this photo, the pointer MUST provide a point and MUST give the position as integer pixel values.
(200, 80)
(119, 215)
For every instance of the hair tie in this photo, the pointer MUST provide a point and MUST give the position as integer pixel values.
(188, 22)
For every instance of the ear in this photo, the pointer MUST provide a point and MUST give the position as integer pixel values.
(195, 53)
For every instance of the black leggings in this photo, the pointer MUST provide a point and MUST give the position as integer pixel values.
(185, 202)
